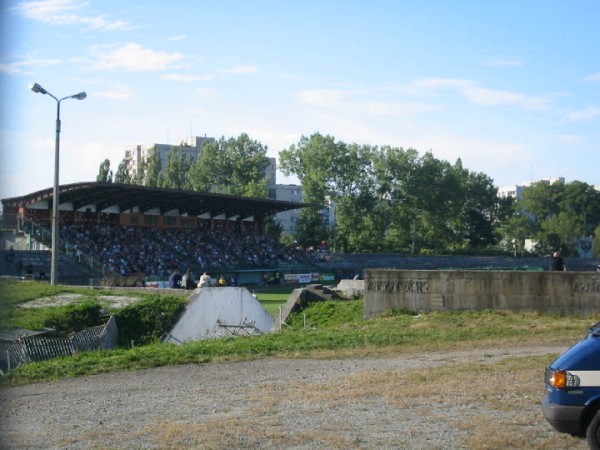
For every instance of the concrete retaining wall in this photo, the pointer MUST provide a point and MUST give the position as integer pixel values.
(426, 290)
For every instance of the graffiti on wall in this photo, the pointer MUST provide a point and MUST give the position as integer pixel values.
(589, 286)
(413, 286)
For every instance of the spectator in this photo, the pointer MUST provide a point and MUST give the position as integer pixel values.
(175, 280)
(188, 281)
(127, 249)
(204, 280)
(556, 262)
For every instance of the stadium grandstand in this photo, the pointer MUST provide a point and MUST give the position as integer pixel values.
(124, 232)
(128, 235)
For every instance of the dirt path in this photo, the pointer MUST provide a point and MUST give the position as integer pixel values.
(273, 403)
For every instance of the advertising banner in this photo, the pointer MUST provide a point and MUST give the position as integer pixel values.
(294, 278)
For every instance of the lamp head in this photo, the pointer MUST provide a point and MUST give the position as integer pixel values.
(79, 96)
(38, 89)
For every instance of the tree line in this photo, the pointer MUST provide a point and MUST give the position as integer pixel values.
(234, 166)
(385, 199)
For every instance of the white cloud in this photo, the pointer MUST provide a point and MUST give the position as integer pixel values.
(118, 92)
(19, 67)
(572, 139)
(179, 37)
(322, 97)
(134, 57)
(240, 70)
(206, 94)
(397, 108)
(66, 12)
(11, 69)
(43, 10)
(441, 83)
(490, 97)
(359, 101)
(85, 158)
(477, 154)
(186, 78)
(595, 77)
(484, 96)
(502, 61)
(588, 113)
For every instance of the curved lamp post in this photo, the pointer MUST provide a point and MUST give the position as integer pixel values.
(54, 266)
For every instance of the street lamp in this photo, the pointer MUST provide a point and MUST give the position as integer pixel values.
(54, 265)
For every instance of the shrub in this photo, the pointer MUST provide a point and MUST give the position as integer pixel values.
(75, 317)
(148, 321)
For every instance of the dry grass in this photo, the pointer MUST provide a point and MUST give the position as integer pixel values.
(545, 340)
(242, 432)
(493, 405)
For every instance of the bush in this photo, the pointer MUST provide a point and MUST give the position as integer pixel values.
(75, 317)
(148, 321)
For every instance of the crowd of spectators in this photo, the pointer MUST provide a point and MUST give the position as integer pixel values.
(156, 251)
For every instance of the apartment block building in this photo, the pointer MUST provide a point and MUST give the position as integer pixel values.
(192, 146)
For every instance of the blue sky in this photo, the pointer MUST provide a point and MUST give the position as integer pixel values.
(512, 88)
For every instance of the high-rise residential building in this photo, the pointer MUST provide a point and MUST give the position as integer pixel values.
(289, 193)
(134, 154)
(516, 191)
(191, 146)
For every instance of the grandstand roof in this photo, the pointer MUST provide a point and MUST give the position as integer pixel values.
(129, 196)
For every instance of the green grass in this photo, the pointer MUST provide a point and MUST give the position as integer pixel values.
(272, 298)
(15, 293)
(326, 329)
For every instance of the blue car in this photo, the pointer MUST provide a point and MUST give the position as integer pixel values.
(572, 404)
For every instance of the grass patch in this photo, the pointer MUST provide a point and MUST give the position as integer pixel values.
(274, 297)
(14, 295)
(332, 329)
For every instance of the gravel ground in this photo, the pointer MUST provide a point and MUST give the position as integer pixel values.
(272, 403)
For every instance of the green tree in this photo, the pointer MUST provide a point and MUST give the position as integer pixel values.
(105, 174)
(396, 192)
(153, 169)
(203, 173)
(311, 160)
(175, 175)
(562, 213)
(310, 228)
(122, 175)
(394, 199)
(583, 201)
(514, 229)
(272, 227)
(234, 166)
(140, 174)
(559, 233)
(542, 200)
(325, 169)
(475, 208)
